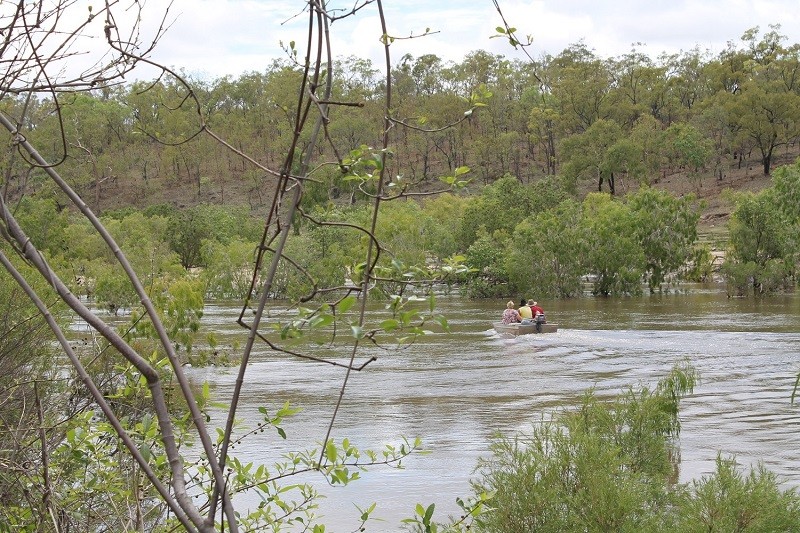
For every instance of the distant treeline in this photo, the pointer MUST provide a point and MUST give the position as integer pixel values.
(593, 122)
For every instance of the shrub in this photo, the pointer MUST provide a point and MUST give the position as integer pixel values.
(612, 467)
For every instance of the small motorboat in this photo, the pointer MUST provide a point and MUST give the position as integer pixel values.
(524, 329)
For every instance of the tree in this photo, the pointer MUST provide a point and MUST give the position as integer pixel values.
(580, 84)
(546, 251)
(639, 88)
(763, 235)
(666, 228)
(594, 154)
(614, 256)
(767, 103)
(507, 199)
(132, 455)
(687, 148)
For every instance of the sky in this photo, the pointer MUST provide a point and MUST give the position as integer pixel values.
(215, 38)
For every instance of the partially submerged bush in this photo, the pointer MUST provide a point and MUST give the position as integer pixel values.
(612, 466)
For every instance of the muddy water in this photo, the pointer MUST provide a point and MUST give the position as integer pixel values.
(456, 390)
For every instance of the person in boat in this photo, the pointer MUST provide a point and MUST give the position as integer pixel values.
(537, 312)
(538, 315)
(511, 315)
(526, 312)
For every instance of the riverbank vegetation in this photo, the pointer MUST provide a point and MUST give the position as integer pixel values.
(514, 239)
(558, 179)
(319, 182)
(613, 466)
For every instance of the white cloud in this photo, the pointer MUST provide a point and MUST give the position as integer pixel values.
(219, 37)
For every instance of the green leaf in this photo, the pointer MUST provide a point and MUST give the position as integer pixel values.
(429, 513)
(358, 332)
(345, 305)
(330, 451)
(390, 325)
(146, 452)
(320, 321)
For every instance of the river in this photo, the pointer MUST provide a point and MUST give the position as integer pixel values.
(456, 390)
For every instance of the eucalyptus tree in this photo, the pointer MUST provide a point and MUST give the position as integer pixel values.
(499, 207)
(542, 132)
(500, 143)
(767, 104)
(614, 256)
(546, 252)
(687, 148)
(688, 82)
(786, 182)
(648, 136)
(756, 256)
(638, 88)
(581, 84)
(594, 154)
(763, 246)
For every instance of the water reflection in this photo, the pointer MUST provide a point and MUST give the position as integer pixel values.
(455, 391)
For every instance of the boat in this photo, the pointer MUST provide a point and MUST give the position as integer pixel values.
(524, 329)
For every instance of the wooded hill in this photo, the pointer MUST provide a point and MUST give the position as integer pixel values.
(688, 122)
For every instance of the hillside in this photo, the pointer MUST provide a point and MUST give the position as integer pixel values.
(120, 193)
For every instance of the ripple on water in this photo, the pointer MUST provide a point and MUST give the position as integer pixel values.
(455, 391)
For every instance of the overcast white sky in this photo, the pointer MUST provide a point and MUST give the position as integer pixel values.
(220, 37)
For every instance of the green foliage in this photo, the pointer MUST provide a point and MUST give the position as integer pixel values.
(614, 255)
(443, 215)
(508, 201)
(701, 264)
(601, 467)
(180, 307)
(546, 253)
(666, 228)
(45, 222)
(731, 501)
(593, 154)
(786, 183)
(611, 466)
(228, 271)
(112, 288)
(762, 251)
(485, 258)
(145, 242)
(187, 229)
(687, 147)
(288, 505)
(29, 380)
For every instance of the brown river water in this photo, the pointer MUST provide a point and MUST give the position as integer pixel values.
(456, 390)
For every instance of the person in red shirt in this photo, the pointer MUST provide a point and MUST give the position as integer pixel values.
(536, 310)
(538, 315)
